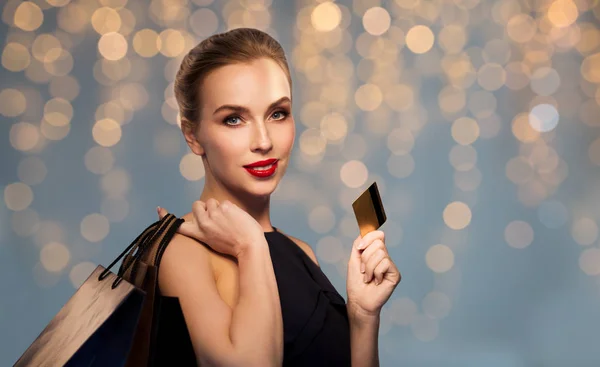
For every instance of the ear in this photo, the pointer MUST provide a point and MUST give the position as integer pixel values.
(189, 132)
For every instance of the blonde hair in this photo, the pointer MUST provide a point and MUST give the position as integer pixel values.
(240, 45)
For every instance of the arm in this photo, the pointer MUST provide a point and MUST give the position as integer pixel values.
(250, 334)
(364, 336)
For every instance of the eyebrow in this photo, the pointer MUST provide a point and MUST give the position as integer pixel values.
(242, 109)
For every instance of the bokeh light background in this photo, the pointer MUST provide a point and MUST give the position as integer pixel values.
(478, 119)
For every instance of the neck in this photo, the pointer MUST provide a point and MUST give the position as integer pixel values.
(257, 207)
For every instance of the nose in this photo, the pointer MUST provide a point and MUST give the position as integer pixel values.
(261, 140)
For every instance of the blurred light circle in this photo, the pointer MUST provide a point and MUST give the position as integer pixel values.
(518, 234)
(55, 256)
(12, 102)
(112, 46)
(107, 132)
(94, 227)
(463, 157)
(419, 39)
(465, 130)
(18, 196)
(543, 117)
(312, 142)
(545, 81)
(589, 261)
(28, 16)
(80, 272)
(439, 258)
(326, 16)
(354, 173)
(376, 20)
(584, 231)
(146, 42)
(457, 215)
(116, 183)
(115, 209)
(99, 160)
(552, 214)
(191, 167)
(15, 57)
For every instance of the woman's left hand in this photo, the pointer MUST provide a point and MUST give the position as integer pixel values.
(372, 276)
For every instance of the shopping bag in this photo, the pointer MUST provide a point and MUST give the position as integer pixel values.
(111, 319)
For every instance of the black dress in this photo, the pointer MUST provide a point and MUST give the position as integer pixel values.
(315, 321)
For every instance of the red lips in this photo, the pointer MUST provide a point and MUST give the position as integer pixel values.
(261, 163)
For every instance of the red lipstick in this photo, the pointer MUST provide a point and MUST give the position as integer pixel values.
(256, 169)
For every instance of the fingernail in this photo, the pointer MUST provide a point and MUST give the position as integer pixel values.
(362, 267)
(365, 278)
(361, 244)
(158, 209)
(376, 282)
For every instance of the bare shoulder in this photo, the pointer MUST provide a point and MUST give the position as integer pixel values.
(303, 245)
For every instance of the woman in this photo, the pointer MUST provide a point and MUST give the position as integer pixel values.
(250, 295)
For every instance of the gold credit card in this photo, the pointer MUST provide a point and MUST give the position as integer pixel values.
(368, 210)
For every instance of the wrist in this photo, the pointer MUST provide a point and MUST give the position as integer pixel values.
(248, 248)
(360, 317)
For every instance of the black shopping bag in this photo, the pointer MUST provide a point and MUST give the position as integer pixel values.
(94, 328)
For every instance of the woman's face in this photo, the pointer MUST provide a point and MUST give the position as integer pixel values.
(245, 118)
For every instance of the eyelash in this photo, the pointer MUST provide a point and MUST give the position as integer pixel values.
(285, 115)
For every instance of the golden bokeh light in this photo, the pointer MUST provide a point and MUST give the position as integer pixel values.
(55, 256)
(94, 227)
(58, 112)
(562, 13)
(12, 102)
(42, 45)
(517, 75)
(107, 132)
(112, 46)
(18, 196)
(452, 99)
(28, 16)
(73, 17)
(172, 43)
(191, 167)
(368, 97)
(519, 170)
(457, 215)
(522, 130)
(543, 117)
(146, 42)
(521, 28)
(24, 136)
(584, 231)
(465, 130)
(204, 22)
(354, 174)
(491, 77)
(80, 272)
(545, 81)
(312, 142)
(590, 68)
(419, 39)
(376, 21)
(400, 97)
(403, 311)
(439, 258)
(15, 57)
(106, 20)
(518, 234)
(589, 261)
(326, 16)
(452, 38)
(334, 126)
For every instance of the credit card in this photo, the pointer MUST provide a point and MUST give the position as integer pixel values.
(368, 210)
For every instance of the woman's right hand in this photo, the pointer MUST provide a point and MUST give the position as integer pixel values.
(225, 227)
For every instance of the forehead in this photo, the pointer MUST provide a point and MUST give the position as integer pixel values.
(255, 84)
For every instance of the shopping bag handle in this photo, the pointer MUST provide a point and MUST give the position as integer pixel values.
(141, 243)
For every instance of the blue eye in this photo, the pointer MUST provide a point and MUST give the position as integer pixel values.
(283, 114)
(229, 119)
